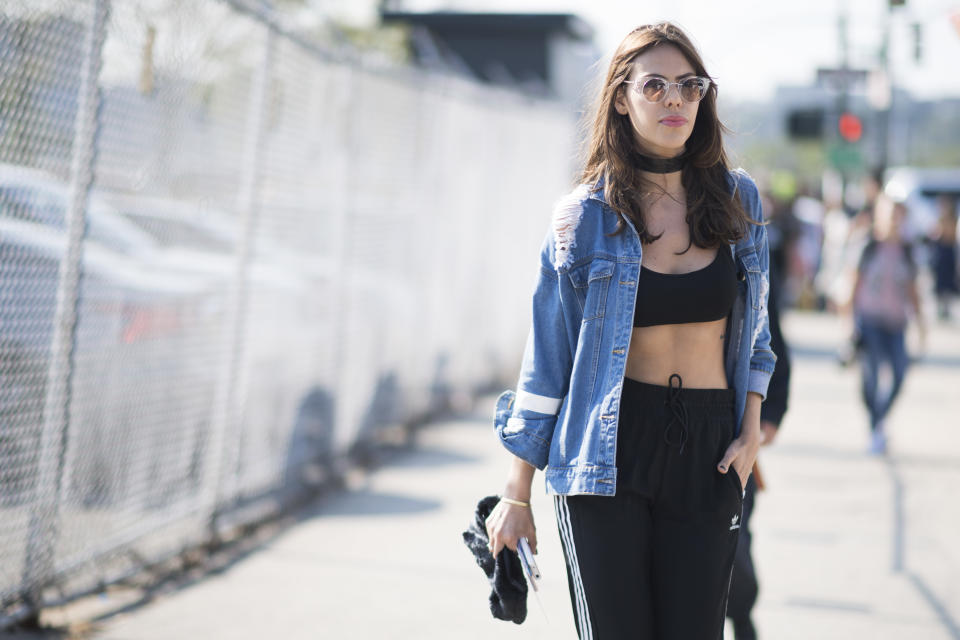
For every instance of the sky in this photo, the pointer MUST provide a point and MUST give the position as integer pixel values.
(751, 47)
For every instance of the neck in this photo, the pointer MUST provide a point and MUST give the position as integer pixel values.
(663, 171)
(671, 183)
(652, 163)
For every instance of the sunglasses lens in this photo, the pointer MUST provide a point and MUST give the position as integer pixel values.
(654, 89)
(693, 89)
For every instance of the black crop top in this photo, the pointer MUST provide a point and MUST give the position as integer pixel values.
(698, 296)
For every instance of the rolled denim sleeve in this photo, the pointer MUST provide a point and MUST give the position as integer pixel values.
(525, 419)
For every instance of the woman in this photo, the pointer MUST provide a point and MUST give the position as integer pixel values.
(648, 357)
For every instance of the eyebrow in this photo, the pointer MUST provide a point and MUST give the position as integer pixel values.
(689, 74)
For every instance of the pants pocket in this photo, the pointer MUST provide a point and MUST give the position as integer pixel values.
(734, 479)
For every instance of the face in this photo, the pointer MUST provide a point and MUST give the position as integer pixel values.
(661, 128)
(888, 218)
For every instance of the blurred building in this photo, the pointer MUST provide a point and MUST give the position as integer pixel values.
(547, 55)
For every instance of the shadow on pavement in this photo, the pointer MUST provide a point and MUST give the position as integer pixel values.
(41, 634)
(199, 564)
(364, 502)
(178, 574)
(425, 456)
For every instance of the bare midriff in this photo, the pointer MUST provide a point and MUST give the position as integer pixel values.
(693, 350)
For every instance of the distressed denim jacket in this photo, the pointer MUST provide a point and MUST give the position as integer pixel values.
(564, 414)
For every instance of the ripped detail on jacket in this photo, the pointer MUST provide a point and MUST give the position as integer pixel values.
(566, 218)
(762, 319)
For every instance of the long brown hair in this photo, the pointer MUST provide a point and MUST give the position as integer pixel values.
(713, 215)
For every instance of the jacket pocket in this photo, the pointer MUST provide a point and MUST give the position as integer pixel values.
(591, 283)
(755, 277)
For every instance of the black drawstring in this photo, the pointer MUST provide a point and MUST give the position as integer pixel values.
(679, 412)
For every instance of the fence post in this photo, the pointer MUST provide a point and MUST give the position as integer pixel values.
(44, 525)
(224, 451)
(341, 231)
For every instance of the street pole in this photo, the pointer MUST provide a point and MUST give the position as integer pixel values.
(45, 520)
(885, 114)
(843, 95)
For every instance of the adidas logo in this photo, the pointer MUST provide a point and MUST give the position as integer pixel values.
(735, 522)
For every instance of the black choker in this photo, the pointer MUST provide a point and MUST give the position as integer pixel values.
(660, 165)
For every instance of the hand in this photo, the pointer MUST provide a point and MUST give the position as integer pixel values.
(741, 454)
(506, 524)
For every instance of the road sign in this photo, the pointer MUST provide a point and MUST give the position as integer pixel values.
(839, 78)
(845, 156)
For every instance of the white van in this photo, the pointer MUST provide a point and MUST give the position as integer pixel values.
(919, 190)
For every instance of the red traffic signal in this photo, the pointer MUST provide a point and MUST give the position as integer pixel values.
(850, 127)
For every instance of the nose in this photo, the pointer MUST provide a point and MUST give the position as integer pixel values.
(672, 97)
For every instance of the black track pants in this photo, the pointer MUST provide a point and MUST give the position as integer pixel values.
(654, 560)
(743, 583)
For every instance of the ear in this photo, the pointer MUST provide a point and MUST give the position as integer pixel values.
(620, 102)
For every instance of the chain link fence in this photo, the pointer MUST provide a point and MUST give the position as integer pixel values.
(229, 256)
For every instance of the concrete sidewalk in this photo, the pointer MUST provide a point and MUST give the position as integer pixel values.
(847, 546)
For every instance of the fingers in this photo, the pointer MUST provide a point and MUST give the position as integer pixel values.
(498, 543)
(495, 544)
(731, 454)
(495, 532)
(493, 541)
(504, 530)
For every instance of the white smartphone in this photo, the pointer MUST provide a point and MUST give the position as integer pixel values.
(529, 563)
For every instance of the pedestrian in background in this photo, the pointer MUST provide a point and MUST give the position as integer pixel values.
(884, 299)
(648, 357)
(859, 233)
(744, 587)
(808, 212)
(945, 256)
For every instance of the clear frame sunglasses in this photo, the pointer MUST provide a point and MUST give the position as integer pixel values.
(655, 89)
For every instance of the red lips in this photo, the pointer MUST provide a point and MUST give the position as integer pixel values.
(674, 121)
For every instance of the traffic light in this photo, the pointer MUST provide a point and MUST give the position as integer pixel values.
(805, 124)
(850, 127)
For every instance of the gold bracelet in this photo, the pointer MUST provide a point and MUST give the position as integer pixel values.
(516, 502)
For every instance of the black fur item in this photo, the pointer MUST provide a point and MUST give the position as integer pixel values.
(508, 598)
